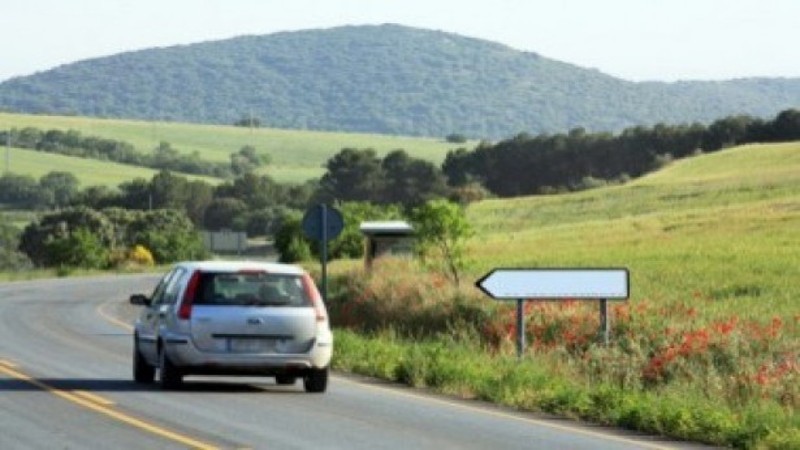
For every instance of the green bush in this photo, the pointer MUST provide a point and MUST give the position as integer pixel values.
(10, 258)
(80, 248)
(47, 241)
(169, 234)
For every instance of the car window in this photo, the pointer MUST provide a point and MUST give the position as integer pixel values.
(251, 289)
(158, 292)
(172, 289)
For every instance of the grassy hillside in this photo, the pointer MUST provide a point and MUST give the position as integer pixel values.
(296, 155)
(705, 349)
(724, 224)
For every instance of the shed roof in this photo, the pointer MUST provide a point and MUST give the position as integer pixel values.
(390, 227)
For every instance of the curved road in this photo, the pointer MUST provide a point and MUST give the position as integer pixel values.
(65, 382)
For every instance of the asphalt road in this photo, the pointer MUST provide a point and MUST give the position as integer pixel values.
(65, 382)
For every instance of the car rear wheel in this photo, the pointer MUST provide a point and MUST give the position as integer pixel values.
(285, 380)
(169, 377)
(142, 372)
(316, 380)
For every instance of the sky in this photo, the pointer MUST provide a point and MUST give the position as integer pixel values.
(637, 40)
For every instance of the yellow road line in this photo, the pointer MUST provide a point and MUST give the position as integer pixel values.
(506, 415)
(105, 410)
(94, 398)
(109, 318)
(7, 363)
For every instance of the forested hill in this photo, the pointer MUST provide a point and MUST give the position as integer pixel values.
(386, 79)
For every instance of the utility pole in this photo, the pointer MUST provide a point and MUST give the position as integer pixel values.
(8, 152)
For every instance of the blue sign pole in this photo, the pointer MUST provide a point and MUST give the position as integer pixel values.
(322, 223)
(324, 214)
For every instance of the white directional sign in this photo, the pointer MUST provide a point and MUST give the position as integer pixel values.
(554, 284)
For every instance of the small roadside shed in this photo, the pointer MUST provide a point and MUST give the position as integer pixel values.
(394, 238)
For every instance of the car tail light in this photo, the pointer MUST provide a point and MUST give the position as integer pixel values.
(314, 295)
(185, 311)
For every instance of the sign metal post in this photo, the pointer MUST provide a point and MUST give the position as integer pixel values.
(323, 223)
(557, 284)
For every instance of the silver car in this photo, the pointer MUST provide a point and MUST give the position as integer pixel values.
(233, 318)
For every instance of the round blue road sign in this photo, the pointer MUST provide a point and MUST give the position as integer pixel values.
(322, 222)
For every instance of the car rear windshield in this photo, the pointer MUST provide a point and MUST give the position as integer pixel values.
(250, 289)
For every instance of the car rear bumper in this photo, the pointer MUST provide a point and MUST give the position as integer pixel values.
(184, 354)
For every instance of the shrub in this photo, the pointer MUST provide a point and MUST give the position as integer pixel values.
(42, 241)
(169, 234)
(81, 248)
(139, 254)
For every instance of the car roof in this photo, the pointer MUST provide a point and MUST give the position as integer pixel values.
(239, 266)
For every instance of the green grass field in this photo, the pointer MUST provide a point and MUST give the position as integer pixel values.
(90, 172)
(296, 155)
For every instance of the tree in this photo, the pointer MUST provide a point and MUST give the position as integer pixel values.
(222, 212)
(248, 121)
(97, 197)
(169, 191)
(21, 191)
(353, 175)
(245, 160)
(257, 191)
(458, 167)
(265, 221)
(410, 181)
(727, 132)
(136, 194)
(442, 230)
(200, 195)
(164, 156)
(456, 138)
(61, 187)
(786, 126)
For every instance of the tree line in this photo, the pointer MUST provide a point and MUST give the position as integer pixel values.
(365, 186)
(527, 165)
(163, 157)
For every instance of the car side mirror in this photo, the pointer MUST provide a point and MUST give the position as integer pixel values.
(140, 299)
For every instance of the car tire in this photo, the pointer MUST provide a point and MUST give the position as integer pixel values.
(285, 380)
(142, 371)
(169, 376)
(316, 380)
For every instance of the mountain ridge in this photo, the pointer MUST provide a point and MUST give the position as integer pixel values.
(386, 78)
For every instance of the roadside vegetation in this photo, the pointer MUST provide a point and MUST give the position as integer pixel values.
(706, 348)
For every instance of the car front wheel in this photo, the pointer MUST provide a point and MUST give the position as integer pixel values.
(142, 372)
(169, 377)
